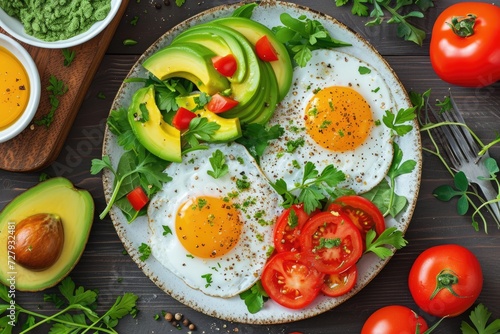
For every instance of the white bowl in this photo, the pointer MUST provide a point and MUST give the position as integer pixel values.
(14, 27)
(35, 88)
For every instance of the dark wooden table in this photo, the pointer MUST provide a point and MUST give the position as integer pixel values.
(103, 265)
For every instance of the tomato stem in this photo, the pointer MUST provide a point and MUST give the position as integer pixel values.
(463, 26)
(445, 280)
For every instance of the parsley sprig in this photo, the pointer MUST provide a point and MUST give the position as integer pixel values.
(219, 165)
(391, 236)
(56, 88)
(399, 12)
(313, 188)
(479, 318)
(77, 312)
(302, 35)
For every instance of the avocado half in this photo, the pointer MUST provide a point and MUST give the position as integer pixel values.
(57, 196)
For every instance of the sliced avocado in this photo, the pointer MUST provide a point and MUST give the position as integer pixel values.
(156, 135)
(245, 90)
(262, 107)
(189, 61)
(230, 128)
(253, 31)
(219, 46)
(55, 196)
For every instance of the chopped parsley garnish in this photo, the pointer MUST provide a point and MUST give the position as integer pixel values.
(208, 278)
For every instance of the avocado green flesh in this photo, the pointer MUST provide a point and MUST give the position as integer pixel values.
(156, 135)
(75, 208)
(221, 46)
(264, 104)
(242, 91)
(253, 31)
(189, 61)
(230, 128)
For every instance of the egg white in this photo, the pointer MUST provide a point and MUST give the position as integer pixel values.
(239, 269)
(364, 166)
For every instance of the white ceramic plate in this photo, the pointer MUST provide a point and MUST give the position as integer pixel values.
(132, 235)
(14, 27)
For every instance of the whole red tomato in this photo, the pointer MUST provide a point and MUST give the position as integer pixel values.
(445, 280)
(464, 46)
(394, 319)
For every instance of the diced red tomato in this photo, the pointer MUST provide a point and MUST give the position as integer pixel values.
(219, 103)
(339, 284)
(265, 50)
(182, 118)
(290, 280)
(137, 198)
(288, 227)
(225, 65)
(333, 241)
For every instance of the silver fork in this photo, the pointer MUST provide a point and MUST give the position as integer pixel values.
(462, 150)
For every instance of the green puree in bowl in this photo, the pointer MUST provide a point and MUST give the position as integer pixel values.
(54, 20)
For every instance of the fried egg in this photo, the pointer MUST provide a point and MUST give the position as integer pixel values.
(214, 233)
(333, 115)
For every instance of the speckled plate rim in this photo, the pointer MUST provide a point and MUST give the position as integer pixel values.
(233, 309)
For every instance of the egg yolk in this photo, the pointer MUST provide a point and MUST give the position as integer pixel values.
(14, 88)
(338, 118)
(208, 227)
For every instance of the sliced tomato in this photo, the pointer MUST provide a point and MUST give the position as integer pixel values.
(290, 280)
(333, 241)
(137, 198)
(182, 118)
(363, 213)
(265, 50)
(288, 228)
(335, 285)
(219, 103)
(225, 65)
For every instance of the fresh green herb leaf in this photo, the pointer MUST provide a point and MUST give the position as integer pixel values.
(101, 96)
(134, 20)
(313, 188)
(400, 13)
(398, 122)
(56, 88)
(179, 3)
(254, 298)
(218, 163)
(245, 10)
(208, 279)
(293, 219)
(199, 129)
(256, 137)
(166, 230)
(302, 35)
(479, 318)
(129, 42)
(364, 70)
(69, 56)
(145, 251)
(390, 237)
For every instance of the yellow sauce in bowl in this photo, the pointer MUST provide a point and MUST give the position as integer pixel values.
(14, 88)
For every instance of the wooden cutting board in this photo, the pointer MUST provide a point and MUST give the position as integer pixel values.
(38, 146)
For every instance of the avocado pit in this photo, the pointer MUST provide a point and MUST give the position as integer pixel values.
(39, 241)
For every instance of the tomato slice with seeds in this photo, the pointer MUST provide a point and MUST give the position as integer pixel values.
(219, 103)
(290, 280)
(333, 242)
(335, 285)
(363, 213)
(288, 227)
